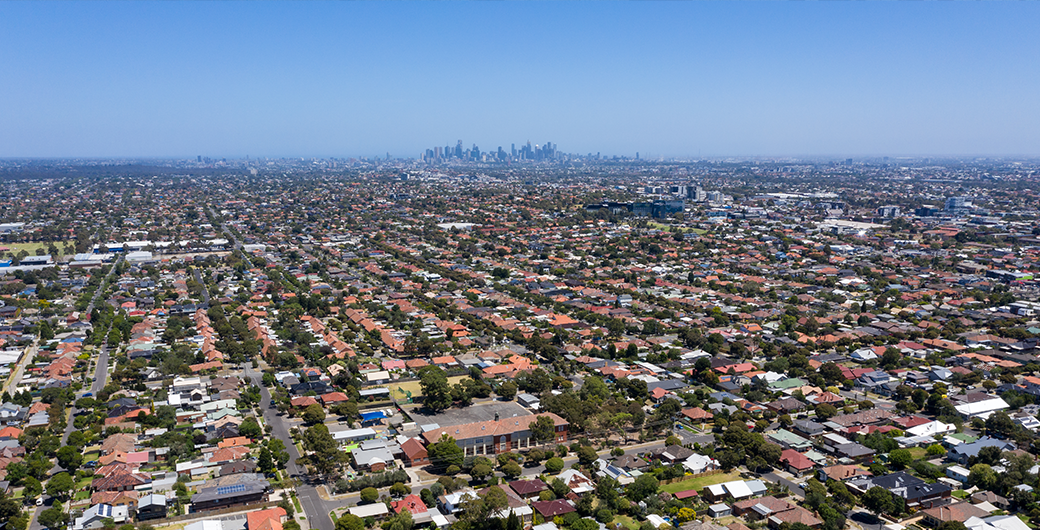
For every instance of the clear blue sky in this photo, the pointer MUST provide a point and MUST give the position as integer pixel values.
(662, 78)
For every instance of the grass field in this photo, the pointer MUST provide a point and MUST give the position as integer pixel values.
(661, 226)
(698, 483)
(408, 389)
(627, 521)
(918, 452)
(14, 248)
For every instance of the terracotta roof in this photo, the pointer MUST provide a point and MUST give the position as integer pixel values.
(490, 428)
(255, 519)
(412, 503)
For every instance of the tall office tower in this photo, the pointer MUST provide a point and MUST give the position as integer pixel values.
(954, 204)
(437, 152)
(458, 149)
(199, 158)
(512, 150)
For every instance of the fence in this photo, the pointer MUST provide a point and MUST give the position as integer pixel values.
(207, 514)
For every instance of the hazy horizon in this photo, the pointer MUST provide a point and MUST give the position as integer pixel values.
(670, 79)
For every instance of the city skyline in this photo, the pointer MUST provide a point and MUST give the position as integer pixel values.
(661, 79)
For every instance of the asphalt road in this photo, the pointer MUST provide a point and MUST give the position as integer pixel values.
(227, 232)
(791, 486)
(315, 509)
(205, 290)
(100, 376)
(104, 282)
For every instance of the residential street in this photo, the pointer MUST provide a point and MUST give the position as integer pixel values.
(316, 509)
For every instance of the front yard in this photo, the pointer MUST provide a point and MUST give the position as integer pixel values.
(699, 483)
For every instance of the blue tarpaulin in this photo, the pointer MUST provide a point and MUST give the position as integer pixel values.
(369, 416)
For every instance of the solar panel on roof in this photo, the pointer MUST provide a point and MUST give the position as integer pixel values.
(225, 490)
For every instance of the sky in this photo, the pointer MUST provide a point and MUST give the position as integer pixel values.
(339, 79)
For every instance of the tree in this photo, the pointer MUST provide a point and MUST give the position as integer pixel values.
(46, 333)
(33, 488)
(265, 461)
(53, 517)
(350, 522)
(445, 453)
(543, 429)
(587, 455)
(435, 389)
(554, 465)
(60, 486)
(825, 411)
(831, 372)
(251, 429)
(313, 414)
(511, 470)
(513, 522)
(1000, 423)
(936, 450)
(399, 489)
(326, 456)
(69, 458)
(401, 521)
(891, 358)
(951, 525)
(983, 476)
(428, 498)
(369, 495)
(900, 458)
(507, 390)
(481, 472)
(878, 500)
(644, 486)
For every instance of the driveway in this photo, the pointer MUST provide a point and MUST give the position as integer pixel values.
(791, 486)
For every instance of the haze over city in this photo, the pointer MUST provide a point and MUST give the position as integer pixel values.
(676, 79)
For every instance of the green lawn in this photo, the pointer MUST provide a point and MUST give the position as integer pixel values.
(661, 226)
(627, 521)
(918, 452)
(14, 248)
(698, 483)
(960, 494)
(411, 389)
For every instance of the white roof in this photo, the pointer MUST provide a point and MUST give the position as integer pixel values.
(367, 510)
(737, 488)
(931, 429)
(657, 520)
(980, 408)
(353, 433)
(208, 524)
(378, 375)
(996, 522)
(716, 490)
